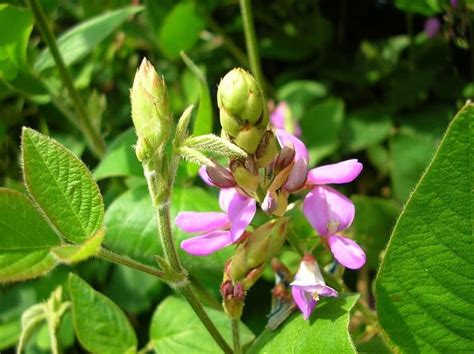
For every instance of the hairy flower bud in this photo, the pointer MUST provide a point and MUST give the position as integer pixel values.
(150, 110)
(242, 110)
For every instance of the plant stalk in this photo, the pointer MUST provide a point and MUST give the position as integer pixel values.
(161, 202)
(251, 42)
(84, 122)
(118, 259)
(236, 336)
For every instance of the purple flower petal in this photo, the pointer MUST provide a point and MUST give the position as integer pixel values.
(347, 252)
(297, 176)
(278, 119)
(205, 177)
(432, 27)
(206, 244)
(241, 211)
(226, 195)
(193, 221)
(342, 172)
(303, 300)
(327, 210)
(285, 138)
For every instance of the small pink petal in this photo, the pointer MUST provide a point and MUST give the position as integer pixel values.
(241, 211)
(193, 221)
(327, 210)
(297, 176)
(278, 119)
(226, 195)
(206, 244)
(347, 252)
(205, 177)
(285, 138)
(304, 300)
(342, 172)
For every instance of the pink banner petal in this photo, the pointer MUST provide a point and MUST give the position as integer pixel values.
(285, 138)
(342, 172)
(206, 244)
(347, 252)
(193, 221)
(327, 210)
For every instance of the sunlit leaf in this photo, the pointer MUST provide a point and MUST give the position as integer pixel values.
(424, 288)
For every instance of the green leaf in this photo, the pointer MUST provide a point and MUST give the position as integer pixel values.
(15, 26)
(422, 7)
(326, 331)
(367, 127)
(120, 159)
(321, 125)
(71, 254)
(176, 329)
(373, 225)
(26, 239)
(9, 333)
(131, 226)
(300, 93)
(100, 325)
(83, 38)
(424, 288)
(180, 29)
(62, 186)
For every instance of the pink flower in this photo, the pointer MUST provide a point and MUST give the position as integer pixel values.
(281, 118)
(217, 229)
(432, 27)
(309, 285)
(330, 212)
(297, 176)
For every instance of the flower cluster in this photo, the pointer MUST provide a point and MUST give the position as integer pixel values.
(276, 167)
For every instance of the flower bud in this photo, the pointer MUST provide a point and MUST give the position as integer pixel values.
(267, 149)
(220, 176)
(270, 202)
(242, 110)
(150, 110)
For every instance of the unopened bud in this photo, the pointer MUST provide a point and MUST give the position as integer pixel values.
(242, 110)
(227, 289)
(267, 149)
(239, 291)
(220, 176)
(270, 202)
(246, 179)
(284, 159)
(150, 110)
(249, 138)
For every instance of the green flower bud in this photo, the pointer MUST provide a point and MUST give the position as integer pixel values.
(249, 139)
(150, 110)
(242, 108)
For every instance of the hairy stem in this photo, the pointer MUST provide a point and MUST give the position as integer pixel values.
(84, 122)
(236, 336)
(251, 42)
(119, 259)
(157, 176)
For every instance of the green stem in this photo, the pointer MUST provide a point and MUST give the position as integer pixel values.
(236, 336)
(251, 42)
(118, 259)
(161, 197)
(93, 137)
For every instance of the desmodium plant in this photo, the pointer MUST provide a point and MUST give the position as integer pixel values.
(212, 227)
